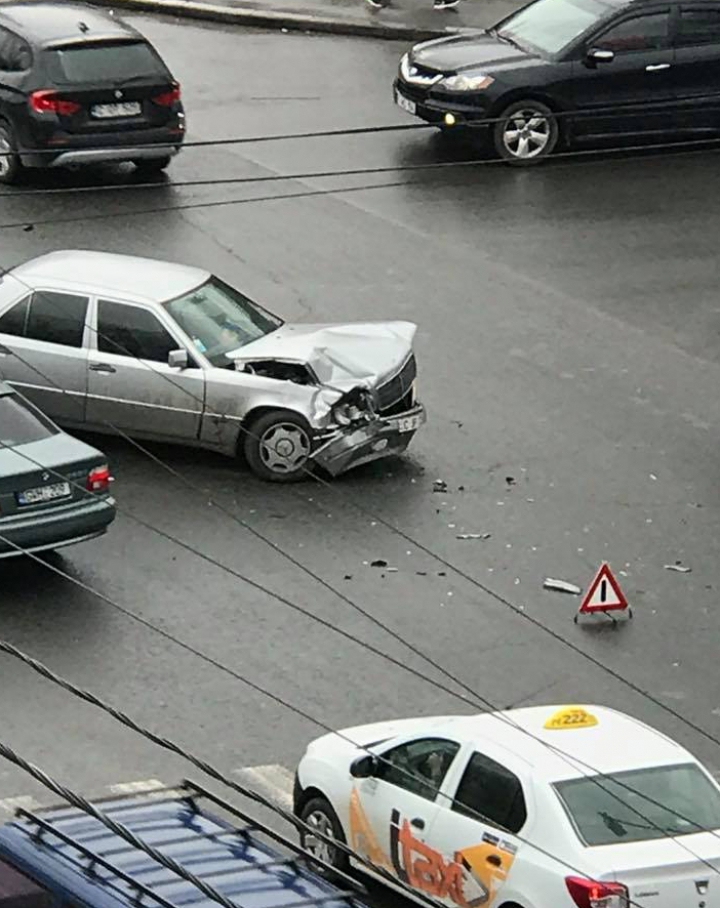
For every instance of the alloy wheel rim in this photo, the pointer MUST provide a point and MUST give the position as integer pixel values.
(526, 134)
(284, 447)
(5, 151)
(317, 846)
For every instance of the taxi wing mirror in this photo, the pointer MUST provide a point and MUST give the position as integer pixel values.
(178, 359)
(364, 767)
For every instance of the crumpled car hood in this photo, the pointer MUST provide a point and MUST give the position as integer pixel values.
(341, 356)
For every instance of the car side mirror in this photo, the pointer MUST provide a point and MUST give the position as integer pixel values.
(178, 359)
(600, 55)
(364, 767)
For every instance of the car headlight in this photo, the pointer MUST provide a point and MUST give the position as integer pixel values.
(467, 82)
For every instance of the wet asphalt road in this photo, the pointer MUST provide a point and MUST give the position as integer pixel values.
(569, 341)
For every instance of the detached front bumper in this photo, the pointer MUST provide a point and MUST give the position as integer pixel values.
(383, 437)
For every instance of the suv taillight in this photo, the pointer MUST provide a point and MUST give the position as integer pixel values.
(48, 102)
(99, 479)
(168, 98)
(590, 894)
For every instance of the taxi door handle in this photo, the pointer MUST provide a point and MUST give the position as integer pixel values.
(418, 823)
(654, 67)
(102, 367)
(494, 860)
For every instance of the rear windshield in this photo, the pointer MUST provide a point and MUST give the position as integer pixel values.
(21, 423)
(107, 62)
(642, 804)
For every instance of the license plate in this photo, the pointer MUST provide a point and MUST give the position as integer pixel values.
(405, 103)
(107, 111)
(407, 423)
(45, 493)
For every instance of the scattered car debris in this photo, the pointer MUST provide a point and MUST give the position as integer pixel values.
(461, 488)
(678, 567)
(442, 574)
(421, 573)
(561, 586)
(510, 480)
(440, 486)
(473, 535)
(379, 563)
(347, 577)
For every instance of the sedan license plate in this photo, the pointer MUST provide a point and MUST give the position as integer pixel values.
(405, 103)
(407, 423)
(45, 493)
(108, 111)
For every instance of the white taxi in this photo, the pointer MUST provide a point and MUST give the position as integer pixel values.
(543, 807)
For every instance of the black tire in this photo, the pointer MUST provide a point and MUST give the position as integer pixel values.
(516, 143)
(152, 166)
(10, 165)
(319, 812)
(277, 446)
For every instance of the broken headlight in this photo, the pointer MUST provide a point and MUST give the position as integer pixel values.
(356, 406)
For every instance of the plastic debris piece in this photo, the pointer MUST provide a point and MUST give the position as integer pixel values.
(439, 485)
(473, 535)
(378, 563)
(561, 586)
(347, 577)
(461, 488)
(421, 573)
(392, 570)
(678, 568)
(510, 480)
(442, 574)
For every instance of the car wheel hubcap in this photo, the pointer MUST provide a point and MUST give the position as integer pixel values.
(5, 151)
(316, 846)
(284, 448)
(526, 134)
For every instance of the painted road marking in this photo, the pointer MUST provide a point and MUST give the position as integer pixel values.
(272, 780)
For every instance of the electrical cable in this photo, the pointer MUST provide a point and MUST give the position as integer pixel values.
(188, 647)
(135, 841)
(413, 541)
(687, 147)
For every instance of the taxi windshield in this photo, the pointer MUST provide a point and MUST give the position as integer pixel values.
(641, 804)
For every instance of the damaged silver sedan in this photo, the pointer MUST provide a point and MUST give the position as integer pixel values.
(171, 353)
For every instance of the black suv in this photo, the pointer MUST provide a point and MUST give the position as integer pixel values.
(574, 70)
(78, 86)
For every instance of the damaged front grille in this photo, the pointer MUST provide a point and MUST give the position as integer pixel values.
(397, 389)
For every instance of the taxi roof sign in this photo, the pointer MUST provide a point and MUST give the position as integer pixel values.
(571, 717)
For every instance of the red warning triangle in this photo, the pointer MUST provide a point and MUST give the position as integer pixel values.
(604, 594)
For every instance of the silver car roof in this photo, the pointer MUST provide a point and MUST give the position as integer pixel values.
(109, 274)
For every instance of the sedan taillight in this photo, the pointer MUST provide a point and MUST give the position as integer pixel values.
(99, 479)
(168, 98)
(591, 894)
(48, 102)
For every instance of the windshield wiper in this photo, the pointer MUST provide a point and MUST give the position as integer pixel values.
(507, 39)
(620, 827)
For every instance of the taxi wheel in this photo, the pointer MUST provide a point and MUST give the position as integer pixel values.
(278, 446)
(318, 814)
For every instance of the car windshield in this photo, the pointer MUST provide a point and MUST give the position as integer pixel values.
(21, 423)
(106, 62)
(548, 26)
(641, 804)
(219, 318)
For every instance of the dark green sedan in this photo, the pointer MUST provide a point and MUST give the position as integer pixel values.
(54, 489)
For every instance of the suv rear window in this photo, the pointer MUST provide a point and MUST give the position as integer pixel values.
(116, 62)
(21, 423)
(641, 804)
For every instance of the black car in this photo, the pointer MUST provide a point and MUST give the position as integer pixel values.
(568, 71)
(78, 86)
(54, 489)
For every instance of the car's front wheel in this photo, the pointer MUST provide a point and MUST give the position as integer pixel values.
(278, 446)
(10, 166)
(319, 815)
(525, 133)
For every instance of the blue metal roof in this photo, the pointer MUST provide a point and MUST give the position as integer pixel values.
(70, 852)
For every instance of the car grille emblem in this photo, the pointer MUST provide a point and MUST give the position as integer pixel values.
(45, 477)
(702, 886)
(118, 93)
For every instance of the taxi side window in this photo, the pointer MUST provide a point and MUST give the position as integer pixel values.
(418, 766)
(490, 792)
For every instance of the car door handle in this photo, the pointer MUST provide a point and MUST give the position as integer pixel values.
(418, 823)
(654, 67)
(102, 367)
(494, 859)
